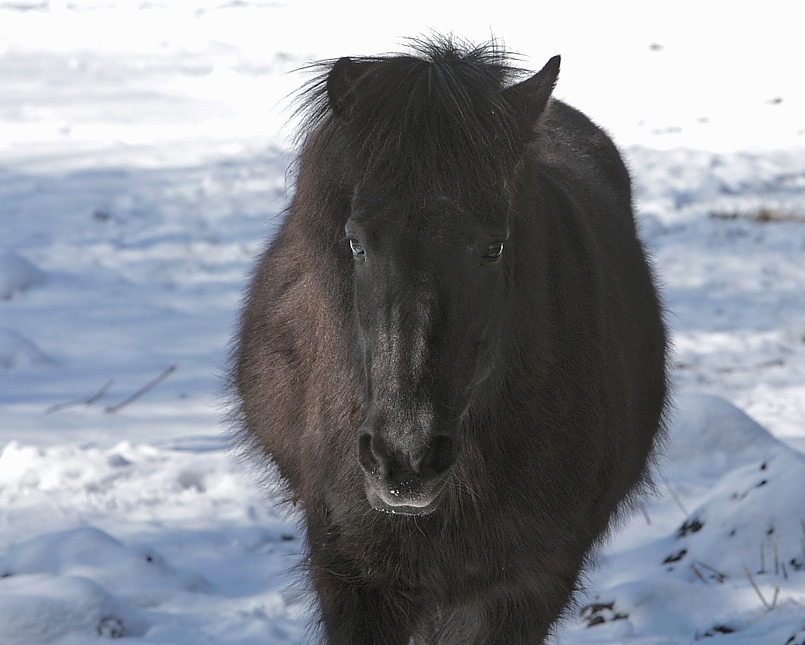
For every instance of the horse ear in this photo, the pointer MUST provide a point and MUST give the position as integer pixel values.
(529, 98)
(341, 83)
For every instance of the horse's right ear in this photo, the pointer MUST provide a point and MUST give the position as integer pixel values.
(529, 99)
(341, 84)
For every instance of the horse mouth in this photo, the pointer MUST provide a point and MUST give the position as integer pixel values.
(386, 501)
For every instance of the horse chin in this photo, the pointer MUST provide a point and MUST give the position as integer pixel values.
(414, 505)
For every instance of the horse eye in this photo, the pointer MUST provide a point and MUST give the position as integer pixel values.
(494, 251)
(357, 248)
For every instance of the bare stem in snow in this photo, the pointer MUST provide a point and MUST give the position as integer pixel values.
(145, 388)
(720, 576)
(757, 590)
(776, 560)
(699, 574)
(88, 401)
(675, 497)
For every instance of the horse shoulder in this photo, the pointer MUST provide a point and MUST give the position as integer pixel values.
(272, 362)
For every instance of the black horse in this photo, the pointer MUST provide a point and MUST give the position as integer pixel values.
(453, 350)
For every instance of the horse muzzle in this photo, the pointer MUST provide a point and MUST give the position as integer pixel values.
(405, 482)
(385, 500)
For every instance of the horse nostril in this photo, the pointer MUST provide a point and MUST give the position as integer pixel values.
(366, 455)
(440, 457)
(398, 466)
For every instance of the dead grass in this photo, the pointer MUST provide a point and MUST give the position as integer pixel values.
(761, 215)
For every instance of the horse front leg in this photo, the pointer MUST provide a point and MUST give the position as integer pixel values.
(359, 614)
(516, 618)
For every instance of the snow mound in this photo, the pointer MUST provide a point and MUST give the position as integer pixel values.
(42, 609)
(707, 425)
(17, 352)
(709, 437)
(139, 575)
(17, 274)
(733, 566)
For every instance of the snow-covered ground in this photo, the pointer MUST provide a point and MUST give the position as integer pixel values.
(143, 157)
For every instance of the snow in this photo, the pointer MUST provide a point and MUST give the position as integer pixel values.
(144, 150)
(17, 274)
(164, 545)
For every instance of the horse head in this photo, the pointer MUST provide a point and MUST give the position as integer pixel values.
(431, 157)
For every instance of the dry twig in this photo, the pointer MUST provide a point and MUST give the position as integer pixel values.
(675, 497)
(757, 590)
(720, 576)
(699, 574)
(88, 401)
(145, 388)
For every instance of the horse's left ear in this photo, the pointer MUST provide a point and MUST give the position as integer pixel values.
(341, 83)
(529, 98)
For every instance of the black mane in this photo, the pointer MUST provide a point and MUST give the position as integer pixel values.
(410, 110)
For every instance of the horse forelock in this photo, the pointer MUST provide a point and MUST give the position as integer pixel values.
(433, 120)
